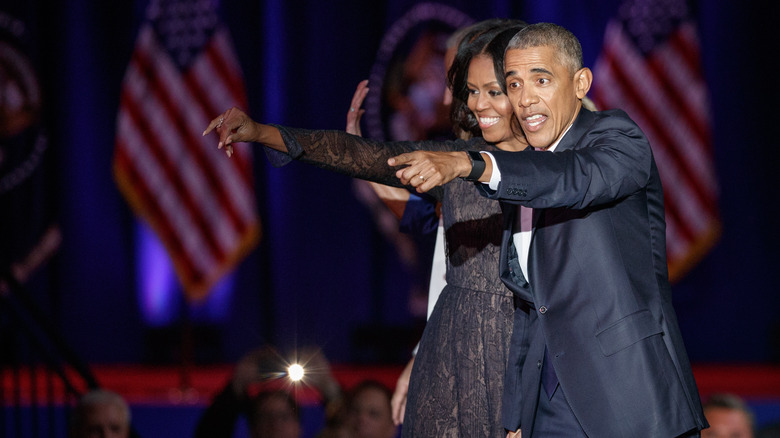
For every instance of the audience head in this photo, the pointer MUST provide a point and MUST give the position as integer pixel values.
(729, 417)
(274, 414)
(368, 411)
(546, 81)
(101, 414)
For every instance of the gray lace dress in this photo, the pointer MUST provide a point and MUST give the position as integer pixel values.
(457, 380)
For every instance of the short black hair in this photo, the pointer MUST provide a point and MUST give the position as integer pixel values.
(567, 46)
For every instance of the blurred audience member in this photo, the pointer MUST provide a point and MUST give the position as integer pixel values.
(366, 413)
(100, 414)
(729, 417)
(274, 414)
(260, 390)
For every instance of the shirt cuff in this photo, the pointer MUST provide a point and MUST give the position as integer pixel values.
(495, 177)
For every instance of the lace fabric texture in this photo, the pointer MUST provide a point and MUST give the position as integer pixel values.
(457, 380)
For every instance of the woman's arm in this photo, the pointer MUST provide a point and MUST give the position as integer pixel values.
(333, 150)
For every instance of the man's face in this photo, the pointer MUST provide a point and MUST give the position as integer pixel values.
(727, 423)
(544, 95)
(105, 421)
(276, 419)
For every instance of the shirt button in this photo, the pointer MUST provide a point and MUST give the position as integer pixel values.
(543, 310)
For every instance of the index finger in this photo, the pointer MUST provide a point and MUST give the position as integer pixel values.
(213, 124)
(399, 160)
(360, 94)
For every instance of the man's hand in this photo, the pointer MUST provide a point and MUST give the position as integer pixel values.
(425, 170)
(515, 434)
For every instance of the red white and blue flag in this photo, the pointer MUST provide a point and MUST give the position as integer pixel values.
(650, 67)
(201, 205)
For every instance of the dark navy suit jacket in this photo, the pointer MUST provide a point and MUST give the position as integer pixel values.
(599, 297)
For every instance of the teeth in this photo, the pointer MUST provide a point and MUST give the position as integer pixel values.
(535, 119)
(488, 120)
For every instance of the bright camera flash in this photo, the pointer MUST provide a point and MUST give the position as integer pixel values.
(295, 372)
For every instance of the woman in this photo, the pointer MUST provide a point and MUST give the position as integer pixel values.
(457, 380)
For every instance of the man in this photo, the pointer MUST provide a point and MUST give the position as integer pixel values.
(729, 417)
(101, 414)
(596, 349)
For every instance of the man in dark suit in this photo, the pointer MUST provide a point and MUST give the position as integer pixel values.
(596, 349)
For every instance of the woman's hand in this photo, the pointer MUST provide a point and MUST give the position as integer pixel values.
(233, 126)
(398, 402)
(355, 112)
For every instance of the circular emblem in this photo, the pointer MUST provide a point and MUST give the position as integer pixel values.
(22, 143)
(408, 79)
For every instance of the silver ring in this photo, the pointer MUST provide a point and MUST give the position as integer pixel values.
(219, 124)
(351, 109)
(422, 177)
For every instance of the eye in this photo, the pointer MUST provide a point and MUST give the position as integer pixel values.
(544, 81)
(495, 93)
(473, 91)
(513, 85)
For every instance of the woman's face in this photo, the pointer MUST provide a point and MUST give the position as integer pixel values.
(488, 103)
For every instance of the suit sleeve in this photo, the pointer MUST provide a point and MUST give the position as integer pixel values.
(609, 162)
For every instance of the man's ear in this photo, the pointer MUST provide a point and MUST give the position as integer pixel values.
(583, 78)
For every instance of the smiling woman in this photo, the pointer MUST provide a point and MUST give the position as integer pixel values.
(491, 106)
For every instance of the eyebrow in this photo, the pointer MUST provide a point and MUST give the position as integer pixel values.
(486, 84)
(533, 70)
(541, 70)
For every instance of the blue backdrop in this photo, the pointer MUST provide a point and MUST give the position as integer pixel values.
(302, 61)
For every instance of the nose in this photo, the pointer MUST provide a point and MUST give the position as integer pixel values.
(527, 97)
(482, 102)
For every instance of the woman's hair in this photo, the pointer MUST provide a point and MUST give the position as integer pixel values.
(495, 50)
(473, 44)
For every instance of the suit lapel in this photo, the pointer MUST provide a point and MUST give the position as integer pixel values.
(580, 126)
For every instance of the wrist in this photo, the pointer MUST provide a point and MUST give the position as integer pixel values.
(477, 166)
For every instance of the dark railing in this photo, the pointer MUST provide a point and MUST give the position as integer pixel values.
(41, 377)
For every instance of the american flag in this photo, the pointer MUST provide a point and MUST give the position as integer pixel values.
(650, 67)
(184, 72)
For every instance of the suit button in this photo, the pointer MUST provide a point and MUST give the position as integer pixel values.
(543, 310)
(538, 364)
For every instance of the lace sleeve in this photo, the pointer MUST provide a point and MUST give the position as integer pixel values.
(355, 156)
